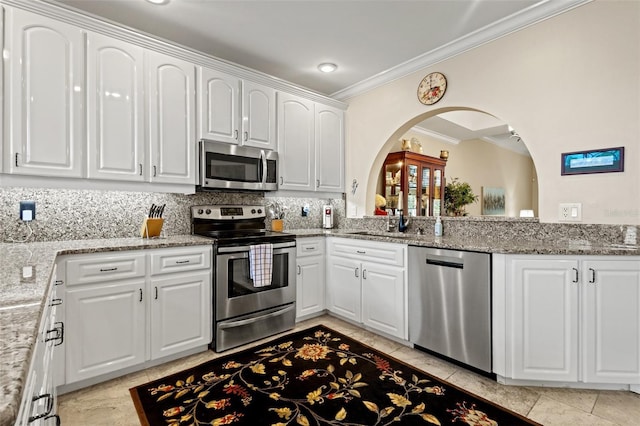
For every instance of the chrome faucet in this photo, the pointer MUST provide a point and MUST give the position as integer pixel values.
(403, 223)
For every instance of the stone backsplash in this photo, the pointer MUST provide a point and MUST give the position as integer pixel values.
(87, 214)
(63, 214)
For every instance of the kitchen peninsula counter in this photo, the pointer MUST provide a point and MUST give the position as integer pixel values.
(25, 274)
(559, 246)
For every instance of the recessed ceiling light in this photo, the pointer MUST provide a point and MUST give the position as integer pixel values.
(158, 1)
(327, 67)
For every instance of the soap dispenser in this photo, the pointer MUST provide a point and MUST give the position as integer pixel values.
(438, 227)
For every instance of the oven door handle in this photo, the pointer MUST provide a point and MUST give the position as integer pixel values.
(247, 321)
(245, 249)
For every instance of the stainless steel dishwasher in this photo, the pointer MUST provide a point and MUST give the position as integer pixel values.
(450, 304)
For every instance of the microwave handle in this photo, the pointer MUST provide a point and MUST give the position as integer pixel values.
(263, 167)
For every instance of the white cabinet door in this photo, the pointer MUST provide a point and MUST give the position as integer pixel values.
(310, 285)
(172, 119)
(115, 109)
(329, 139)
(180, 312)
(296, 147)
(218, 97)
(611, 321)
(343, 288)
(258, 116)
(44, 93)
(105, 328)
(542, 336)
(383, 299)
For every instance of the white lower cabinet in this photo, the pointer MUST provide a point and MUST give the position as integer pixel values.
(310, 276)
(126, 308)
(367, 283)
(572, 319)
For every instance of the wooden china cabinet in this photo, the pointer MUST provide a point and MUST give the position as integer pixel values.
(421, 180)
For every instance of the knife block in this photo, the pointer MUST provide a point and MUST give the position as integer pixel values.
(151, 227)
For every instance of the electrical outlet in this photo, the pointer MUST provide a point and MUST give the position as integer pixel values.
(305, 210)
(570, 212)
(27, 211)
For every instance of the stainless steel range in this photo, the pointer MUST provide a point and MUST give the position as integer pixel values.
(242, 310)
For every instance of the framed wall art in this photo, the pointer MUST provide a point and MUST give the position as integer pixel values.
(493, 201)
(595, 161)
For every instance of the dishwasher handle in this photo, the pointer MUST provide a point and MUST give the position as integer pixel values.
(447, 262)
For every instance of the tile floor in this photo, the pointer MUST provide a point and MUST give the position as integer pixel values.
(109, 403)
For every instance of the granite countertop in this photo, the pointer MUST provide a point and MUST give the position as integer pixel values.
(487, 245)
(22, 300)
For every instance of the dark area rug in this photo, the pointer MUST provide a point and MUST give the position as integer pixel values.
(312, 377)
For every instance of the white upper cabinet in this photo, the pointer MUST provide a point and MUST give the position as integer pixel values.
(310, 145)
(172, 120)
(44, 92)
(258, 116)
(296, 143)
(235, 111)
(115, 109)
(329, 135)
(218, 99)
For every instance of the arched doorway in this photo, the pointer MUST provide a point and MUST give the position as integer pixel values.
(483, 150)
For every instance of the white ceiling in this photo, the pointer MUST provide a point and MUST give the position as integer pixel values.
(371, 41)
(288, 39)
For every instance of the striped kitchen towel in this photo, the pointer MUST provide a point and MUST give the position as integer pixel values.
(261, 264)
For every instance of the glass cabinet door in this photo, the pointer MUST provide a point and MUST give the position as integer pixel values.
(393, 181)
(412, 190)
(437, 186)
(424, 191)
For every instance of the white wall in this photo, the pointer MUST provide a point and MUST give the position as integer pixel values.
(566, 84)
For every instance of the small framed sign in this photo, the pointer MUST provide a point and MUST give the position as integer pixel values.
(595, 161)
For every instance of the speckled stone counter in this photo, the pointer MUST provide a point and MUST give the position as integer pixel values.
(21, 301)
(558, 246)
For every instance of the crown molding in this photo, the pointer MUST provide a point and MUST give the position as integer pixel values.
(435, 135)
(520, 20)
(85, 21)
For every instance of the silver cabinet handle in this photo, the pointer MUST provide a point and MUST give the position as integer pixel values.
(156, 297)
(317, 183)
(361, 252)
(140, 169)
(235, 134)
(181, 262)
(246, 136)
(108, 269)
(58, 282)
(364, 274)
(281, 180)
(17, 165)
(575, 280)
(140, 295)
(299, 270)
(154, 171)
(592, 279)
(357, 272)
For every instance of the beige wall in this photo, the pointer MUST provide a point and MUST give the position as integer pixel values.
(569, 83)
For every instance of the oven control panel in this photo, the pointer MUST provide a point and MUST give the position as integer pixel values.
(227, 212)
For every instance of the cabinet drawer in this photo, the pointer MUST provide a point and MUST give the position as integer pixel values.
(371, 251)
(86, 269)
(309, 246)
(167, 261)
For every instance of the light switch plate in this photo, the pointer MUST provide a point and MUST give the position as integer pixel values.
(570, 212)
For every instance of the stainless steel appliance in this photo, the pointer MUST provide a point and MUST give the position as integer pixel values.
(228, 166)
(327, 216)
(243, 312)
(450, 304)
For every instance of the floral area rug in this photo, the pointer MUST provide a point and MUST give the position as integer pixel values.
(312, 377)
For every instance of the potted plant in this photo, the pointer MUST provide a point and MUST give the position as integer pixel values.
(456, 196)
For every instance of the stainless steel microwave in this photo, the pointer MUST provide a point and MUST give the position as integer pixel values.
(228, 166)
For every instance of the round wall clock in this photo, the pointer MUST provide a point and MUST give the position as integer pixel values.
(431, 89)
